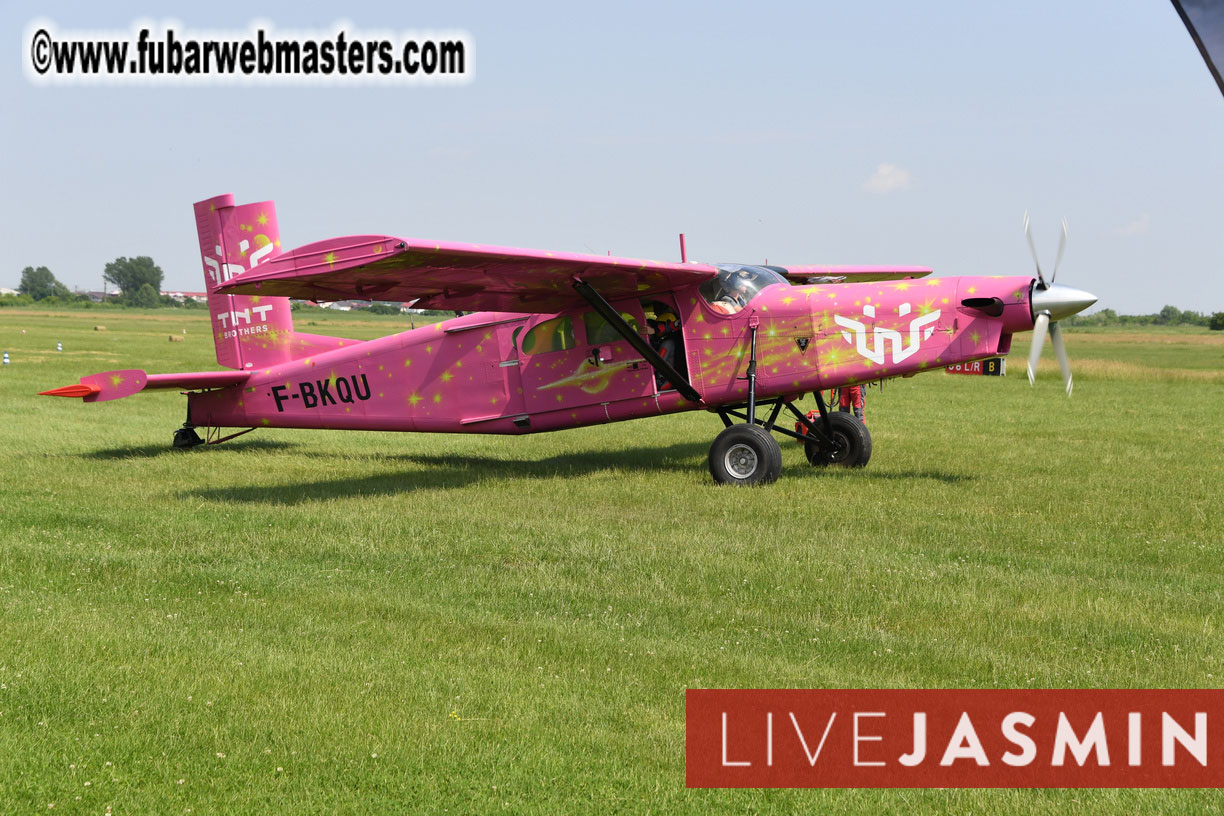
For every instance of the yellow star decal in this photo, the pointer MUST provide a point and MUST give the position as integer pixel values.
(330, 258)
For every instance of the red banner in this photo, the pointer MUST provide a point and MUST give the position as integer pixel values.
(949, 738)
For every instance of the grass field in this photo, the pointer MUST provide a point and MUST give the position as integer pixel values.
(310, 621)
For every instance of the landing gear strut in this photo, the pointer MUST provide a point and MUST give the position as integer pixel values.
(749, 455)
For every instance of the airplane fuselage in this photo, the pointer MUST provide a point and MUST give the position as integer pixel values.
(509, 373)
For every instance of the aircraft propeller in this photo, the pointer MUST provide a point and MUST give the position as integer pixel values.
(1051, 303)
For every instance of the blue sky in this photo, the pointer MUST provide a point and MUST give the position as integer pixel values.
(760, 132)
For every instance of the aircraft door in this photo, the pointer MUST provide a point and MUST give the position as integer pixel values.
(577, 359)
(509, 366)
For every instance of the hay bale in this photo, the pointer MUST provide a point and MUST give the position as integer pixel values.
(99, 328)
(174, 338)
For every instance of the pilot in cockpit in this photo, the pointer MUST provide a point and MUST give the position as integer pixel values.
(735, 295)
(735, 285)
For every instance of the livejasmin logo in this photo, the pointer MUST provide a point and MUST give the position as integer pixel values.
(952, 738)
(964, 744)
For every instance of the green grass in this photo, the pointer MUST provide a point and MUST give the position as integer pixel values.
(308, 621)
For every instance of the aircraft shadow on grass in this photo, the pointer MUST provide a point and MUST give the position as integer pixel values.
(441, 472)
(156, 451)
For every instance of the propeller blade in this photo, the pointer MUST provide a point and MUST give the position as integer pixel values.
(1028, 233)
(1039, 333)
(1062, 244)
(1061, 351)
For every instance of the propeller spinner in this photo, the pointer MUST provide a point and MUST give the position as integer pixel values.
(1050, 303)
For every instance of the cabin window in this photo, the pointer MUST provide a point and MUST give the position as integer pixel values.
(735, 285)
(551, 335)
(600, 331)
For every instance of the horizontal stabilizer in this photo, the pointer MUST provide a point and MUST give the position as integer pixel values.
(112, 385)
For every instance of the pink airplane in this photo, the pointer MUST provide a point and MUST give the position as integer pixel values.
(558, 340)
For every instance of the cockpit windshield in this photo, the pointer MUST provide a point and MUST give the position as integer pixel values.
(735, 285)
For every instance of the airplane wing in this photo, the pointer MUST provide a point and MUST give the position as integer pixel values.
(852, 274)
(469, 277)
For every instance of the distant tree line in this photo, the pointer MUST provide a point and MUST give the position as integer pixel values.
(1168, 316)
(139, 281)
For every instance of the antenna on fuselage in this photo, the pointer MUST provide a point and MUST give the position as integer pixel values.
(683, 254)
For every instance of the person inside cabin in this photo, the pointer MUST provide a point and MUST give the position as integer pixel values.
(665, 338)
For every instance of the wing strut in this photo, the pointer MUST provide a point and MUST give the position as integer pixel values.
(634, 339)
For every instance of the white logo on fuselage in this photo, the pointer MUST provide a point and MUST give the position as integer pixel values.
(920, 329)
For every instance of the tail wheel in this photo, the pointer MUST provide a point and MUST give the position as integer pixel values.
(187, 438)
(851, 443)
(745, 455)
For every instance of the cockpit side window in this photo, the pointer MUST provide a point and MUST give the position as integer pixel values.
(599, 331)
(736, 285)
(551, 335)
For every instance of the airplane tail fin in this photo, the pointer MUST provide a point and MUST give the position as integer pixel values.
(250, 331)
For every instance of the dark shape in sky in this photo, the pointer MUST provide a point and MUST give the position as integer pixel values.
(1205, 21)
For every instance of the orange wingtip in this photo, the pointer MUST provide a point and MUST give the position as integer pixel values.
(78, 390)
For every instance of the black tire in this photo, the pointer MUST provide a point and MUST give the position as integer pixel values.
(187, 438)
(852, 443)
(745, 455)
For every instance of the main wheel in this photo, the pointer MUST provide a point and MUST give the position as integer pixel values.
(745, 455)
(851, 443)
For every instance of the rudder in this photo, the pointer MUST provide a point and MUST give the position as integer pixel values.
(249, 330)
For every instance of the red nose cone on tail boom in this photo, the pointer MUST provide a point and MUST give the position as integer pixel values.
(78, 390)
